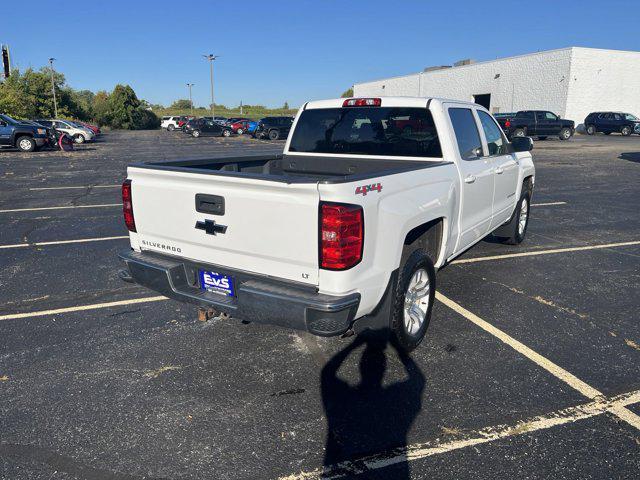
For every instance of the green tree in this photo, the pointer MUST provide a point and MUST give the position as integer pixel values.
(347, 93)
(123, 104)
(101, 108)
(182, 104)
(286, 105)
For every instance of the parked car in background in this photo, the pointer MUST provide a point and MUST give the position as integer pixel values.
(503, 115)
(23, 135)
(612, 122)
(94, 128)
(537, 123)
(183, 120)
(170, 122)
(77, 133)
(241, 126)
(273, 128)
(252, 125)
(199, 127)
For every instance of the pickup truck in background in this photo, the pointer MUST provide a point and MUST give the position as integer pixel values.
(537, 123)
(342, 232)
(25, 136)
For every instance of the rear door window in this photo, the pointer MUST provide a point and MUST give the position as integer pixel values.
(466, 130)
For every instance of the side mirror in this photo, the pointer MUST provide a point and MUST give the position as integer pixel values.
(522, 144)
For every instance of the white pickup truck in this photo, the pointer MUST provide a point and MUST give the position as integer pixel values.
(342, 232)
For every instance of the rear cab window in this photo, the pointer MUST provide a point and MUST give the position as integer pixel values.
(388, 131)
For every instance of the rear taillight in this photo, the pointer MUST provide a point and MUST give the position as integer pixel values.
(127, 206)
(507, 124)
(362, 102)
(341, 235)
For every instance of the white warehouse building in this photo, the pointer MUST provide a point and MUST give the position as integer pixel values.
(571, 82)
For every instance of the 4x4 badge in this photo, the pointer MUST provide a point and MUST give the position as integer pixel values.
(364, 189)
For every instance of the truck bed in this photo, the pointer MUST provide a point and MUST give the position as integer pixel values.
(294, 168)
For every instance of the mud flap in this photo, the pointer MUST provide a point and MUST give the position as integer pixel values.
(380, 317)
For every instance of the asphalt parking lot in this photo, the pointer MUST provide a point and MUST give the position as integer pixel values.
(530, 368)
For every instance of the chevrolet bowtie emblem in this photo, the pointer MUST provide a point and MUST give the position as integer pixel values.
(211, 227)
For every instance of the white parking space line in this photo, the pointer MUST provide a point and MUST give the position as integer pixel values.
(557, 371)
(419, 451)
(63, 242)
(37, 209)
(80, 308)
(545, 252)
(83, 187)
(548, 204)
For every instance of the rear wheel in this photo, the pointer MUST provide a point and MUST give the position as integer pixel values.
(565, 134)
(519, 132)
(413, 301)
(79, 138)
(626, 130)
(274, 135)
(171, 127)
(591, 130)
(240, 131)
(226, 133)
(26, 144)
(195, 133)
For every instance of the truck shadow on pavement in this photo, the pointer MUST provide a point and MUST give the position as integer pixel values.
(631, 156)
(369, 418)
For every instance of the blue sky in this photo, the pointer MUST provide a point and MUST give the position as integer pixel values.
(278, 51)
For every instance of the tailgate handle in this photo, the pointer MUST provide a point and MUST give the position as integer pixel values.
(212, 204)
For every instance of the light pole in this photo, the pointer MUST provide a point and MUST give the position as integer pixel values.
(190, 98)
(211, 57)
(53, 88)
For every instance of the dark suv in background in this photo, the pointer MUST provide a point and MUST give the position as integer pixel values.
(273, 128)
(537, 123)
(612, 122)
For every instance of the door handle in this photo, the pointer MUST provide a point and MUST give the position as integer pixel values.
(499, 170)
(469, 179)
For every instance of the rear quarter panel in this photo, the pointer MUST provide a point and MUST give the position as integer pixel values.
(406, 200)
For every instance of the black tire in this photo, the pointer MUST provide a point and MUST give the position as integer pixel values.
(226, 132)
(195, 133)
(171, 127)
(626, 130)
(26, 144)
(512, 233)
(418, 260)
(240, 131)
(274, 134)
(565, 134)
(591, 130)
(542, 138)
(79, 138)
(607, 133)
(519, 132)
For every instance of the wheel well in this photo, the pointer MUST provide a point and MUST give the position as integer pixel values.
(427, 237)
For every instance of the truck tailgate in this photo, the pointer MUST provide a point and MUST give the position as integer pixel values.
(271, 227)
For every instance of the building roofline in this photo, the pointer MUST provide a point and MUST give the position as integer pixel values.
(484, 62)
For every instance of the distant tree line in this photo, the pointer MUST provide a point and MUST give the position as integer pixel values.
(28, 95)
